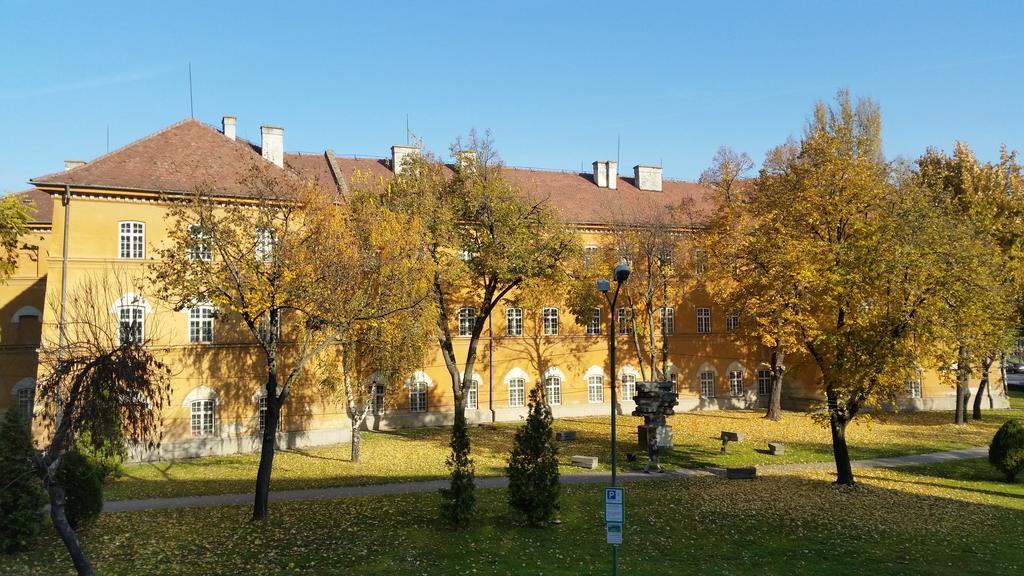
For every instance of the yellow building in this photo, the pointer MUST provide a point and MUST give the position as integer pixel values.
(113, 212)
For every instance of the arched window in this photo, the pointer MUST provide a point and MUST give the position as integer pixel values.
(764, 382)
(472, 394)
(707, 384)
(553, 390)
(418, 396)
(131, 324)
(202, 417)
(516, 382)
(628, 386)
(668, 321)
(25, 394)
(736, 383)
(595, 385)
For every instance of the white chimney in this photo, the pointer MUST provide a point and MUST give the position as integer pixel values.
(606, 174)
(228, 125)
(398, 155)
(647, 177)
(71, 164)
(272, 144)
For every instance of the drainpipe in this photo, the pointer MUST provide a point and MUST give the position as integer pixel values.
(66, 201)
(490, 368)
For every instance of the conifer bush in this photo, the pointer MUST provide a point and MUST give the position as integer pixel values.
(459, 500)
(1006, 452)
(533, 487)
(83, 488)
(21, 494)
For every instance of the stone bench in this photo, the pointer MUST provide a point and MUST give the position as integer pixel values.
(567, 436)
(745, 473)
(730, 437)
(776, 449)
(589, 462)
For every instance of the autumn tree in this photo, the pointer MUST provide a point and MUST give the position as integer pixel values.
(983, 202)
(750, 271)
(485, 238)
(288, 250)
(103, 383)
(13, 224)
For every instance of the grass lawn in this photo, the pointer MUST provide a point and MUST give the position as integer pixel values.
(419, 454)
(954, 519)
(1017, 400)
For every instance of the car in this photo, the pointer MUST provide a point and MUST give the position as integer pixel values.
(1015, 367)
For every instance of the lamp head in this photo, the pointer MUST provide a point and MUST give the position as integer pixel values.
(604, 286)
(622, 271)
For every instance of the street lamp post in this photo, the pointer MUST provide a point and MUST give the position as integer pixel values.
(604, 286)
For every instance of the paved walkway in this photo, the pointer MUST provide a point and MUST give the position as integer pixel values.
(502, 482)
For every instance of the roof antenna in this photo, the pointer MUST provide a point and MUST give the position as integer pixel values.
(407, 129)
(618, 152)
(191, 107)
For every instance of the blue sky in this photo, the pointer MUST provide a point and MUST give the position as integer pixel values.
(556, 82)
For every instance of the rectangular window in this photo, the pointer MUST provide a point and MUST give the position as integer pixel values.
(553, 390)
(472, 393)
(732, 322)
(132, 240)
(914, 388)
(377, 399)
(550, 319)
(764, 382)
(516, 392)
(625, 322)
(26, 401)
(200, 325)
(130, 324)
(514, 321)
(628, 387)
(199, 244)
(202, 418)
(707, 384)
(594, 326)
(418, 397)
(735, 383)
(467, 320)
(264, 244)
(674, 378)
(595, 389)
(668, 321)
(703, 320)
(263, 413)
(589, 257)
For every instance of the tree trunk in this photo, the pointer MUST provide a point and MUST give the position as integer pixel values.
(357, 443)
(986, 364)
(837, 425)
(962, 375)
(259, 509)
(775, 401)
(64, 530)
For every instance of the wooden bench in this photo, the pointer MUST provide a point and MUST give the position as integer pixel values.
(589, 462)
(730, 437)
(776, 449)
(567, 436)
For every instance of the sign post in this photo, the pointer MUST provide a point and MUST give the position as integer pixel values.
(614, 517)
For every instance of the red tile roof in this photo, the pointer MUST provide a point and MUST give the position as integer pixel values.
(41, 210)
(188, 154)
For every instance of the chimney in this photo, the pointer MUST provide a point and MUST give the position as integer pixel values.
(647, 177)
(272, 144)
(71, 164)
(228, 125)
(398, 155)
(606, 174)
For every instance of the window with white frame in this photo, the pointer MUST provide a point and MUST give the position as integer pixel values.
(377, 398)
(668, 321)
(732, 322)
(703, 320)
(594, 325)
(516, 392)
(589, 256)
(202, 417)
(595, 389)
(736, 383)
(628, 386)
(707, 384)
(553, 390)
(132, 240)
(264, 244)
(26, 401)
(625, 322)
(200, 325)
(514, 321)
(131, 324)
(472, 394)
(262, 413)
(764, 382)
(914, 388)
(199, 244)
(418, 396)
(467, 319)
(549, 316)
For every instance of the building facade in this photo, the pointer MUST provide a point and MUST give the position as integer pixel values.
(103, 221)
